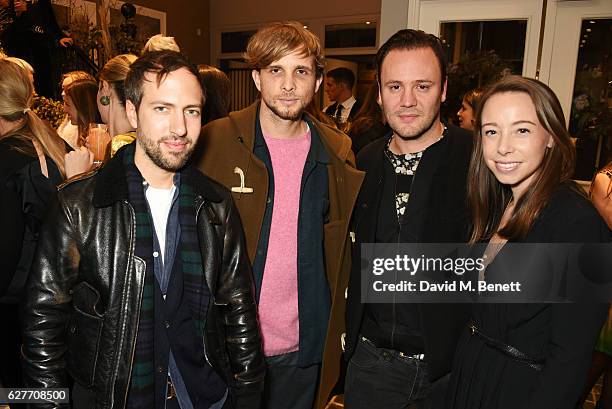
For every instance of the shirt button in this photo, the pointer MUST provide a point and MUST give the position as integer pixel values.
(269, 200)
(144, 183)
(155, 254)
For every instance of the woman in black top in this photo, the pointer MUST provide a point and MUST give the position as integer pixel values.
(525, 355)
(31, 166)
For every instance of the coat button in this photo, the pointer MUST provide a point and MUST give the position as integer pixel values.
(155, 254)
(167, 324)
(346, 293)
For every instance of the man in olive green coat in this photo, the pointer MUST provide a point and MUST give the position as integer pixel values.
(295, 184)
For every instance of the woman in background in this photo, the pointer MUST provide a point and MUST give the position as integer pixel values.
(81, 107)
(368, 124)
(601, 195)
(31, 166)
(525, 355)
(111, 100)
(469, 105)
(217, 90)
(66, 130)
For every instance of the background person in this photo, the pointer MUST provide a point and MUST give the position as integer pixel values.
(80, 104)
(111, 100)
(369, 123)
(601, 195)
(35, 36)
(218, 93)
(469, 105)
(339, 84)
(160, 42)
(520, 191)
(66, 130)
(31, 166)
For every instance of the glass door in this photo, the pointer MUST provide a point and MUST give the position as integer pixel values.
(579, 48)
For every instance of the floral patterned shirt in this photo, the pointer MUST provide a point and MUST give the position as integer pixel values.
(404, 165)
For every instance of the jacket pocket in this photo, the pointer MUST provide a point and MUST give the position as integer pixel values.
(84, 333)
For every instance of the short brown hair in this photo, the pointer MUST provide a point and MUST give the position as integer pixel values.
(160, 63)
(276, 40)
(409, 39)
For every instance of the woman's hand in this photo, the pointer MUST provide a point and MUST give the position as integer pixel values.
(78, 161)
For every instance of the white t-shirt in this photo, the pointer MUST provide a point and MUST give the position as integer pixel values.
(160, 201)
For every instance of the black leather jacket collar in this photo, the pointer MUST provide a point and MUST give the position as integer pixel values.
(111, 185)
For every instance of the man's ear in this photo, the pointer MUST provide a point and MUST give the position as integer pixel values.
(132, 115)
(256, 79)
(444, 85)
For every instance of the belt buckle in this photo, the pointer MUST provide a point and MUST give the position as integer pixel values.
(418, 357)
(170, 391)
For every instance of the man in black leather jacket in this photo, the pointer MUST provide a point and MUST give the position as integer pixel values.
(141, 288)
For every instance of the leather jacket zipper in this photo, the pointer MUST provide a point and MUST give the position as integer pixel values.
(198, 210)
(132, 352)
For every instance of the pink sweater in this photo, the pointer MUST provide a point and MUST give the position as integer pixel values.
(278, 301)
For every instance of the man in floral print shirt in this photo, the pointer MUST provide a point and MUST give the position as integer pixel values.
(414, 191)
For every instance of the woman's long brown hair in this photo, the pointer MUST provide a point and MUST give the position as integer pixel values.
(83, 94)
(488, 198)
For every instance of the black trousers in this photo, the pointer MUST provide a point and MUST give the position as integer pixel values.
(381, 378)
(289, 386)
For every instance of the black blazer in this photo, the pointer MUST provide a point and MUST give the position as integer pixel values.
(562, 335)
(438, 206)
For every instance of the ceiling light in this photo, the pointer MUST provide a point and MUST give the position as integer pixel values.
(305, 26)
(592, 21)
(588, 30)
(368, 22)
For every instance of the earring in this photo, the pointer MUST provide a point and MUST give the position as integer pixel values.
(105, 100)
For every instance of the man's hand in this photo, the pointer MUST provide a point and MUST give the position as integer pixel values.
(78, 161)
(66, 41)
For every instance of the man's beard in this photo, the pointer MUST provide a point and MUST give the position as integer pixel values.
(416, 133)
(153, 150)
(287, 114)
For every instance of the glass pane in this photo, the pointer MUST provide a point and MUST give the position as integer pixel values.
(351, 35)
(591, 114)
(236, 41)
(480, 52)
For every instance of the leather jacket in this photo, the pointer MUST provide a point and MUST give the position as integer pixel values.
(85, 289)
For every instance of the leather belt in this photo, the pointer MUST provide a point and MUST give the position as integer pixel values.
(418, 357)
(506, 349)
